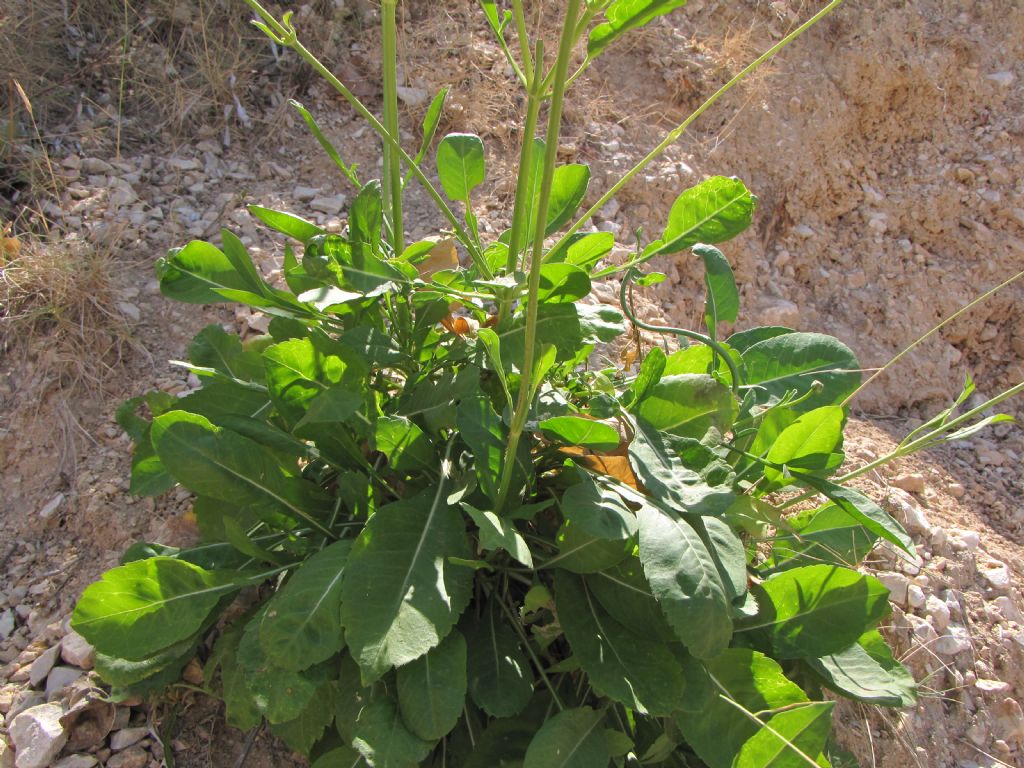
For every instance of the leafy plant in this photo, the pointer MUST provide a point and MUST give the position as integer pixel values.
(434, 535)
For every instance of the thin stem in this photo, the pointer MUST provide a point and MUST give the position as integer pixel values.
(524, 40)
(526, 644)
(522, 408)
(930, 333)
(392, 162)
(286, 36)
(674, 135)
(523, 184)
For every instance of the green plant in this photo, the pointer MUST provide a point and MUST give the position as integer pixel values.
(429, 522)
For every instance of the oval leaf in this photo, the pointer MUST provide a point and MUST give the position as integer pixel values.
(500, 676)
(432, 689)
(712, 212)
(460, 164)
(571, 739)
(575, 430)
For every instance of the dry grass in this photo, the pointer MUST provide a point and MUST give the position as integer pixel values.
(59, 323)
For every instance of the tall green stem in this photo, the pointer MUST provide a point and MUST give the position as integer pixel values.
(524, 185)
(392, 161)
(522, 409)
(677, 132)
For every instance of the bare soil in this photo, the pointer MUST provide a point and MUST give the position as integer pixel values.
(887, 149)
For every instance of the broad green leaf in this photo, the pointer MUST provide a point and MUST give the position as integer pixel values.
(712, 212)
(405, 445)
(576, 430)
(817, 610)
(143, 607)
(568, 188)
(656, 458)
(148, 476)
(484, 433)
(431, 120)
(714, 726)
(727, 551)
(597, 510)
(587, 249)
(623, 592)
(350, 698)
(492, 345)
(699, 358)
(573, 738)
(339, 757)
(636, 670)
(500, 533)
(741, 341)
(722, 304)
(286, 223)
(124, 673)
(689, 405)
(353, 265)
(239, 704)
(302, 378)
(580, 552)
(791, 739)
(400, 595)
(863, 510)
(571, 328)
(502, 745)
(867, 671)
(624, 15)
(794, 361)
(220, 399)
(215, 348)
(651, 370)
(500, 676)
(562, 283)
(305, 730)
(365, 219)
(220, 464)
(432, 689)
(460, 165)
(812, 443)
(383, 739)
(302, 624)
(827, 534)
(199, 273)
(685, 580)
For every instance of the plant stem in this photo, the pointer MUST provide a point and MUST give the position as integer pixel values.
(674, 135)
(286, 36)
(524, 41)
(523, 184)
(392, 162)
(518, 627)
(522, 409)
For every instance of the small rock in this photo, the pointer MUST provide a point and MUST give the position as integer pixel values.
(1010, 720)
(76, 761)
(129, 310)
(182, 164)
(51, 507)
(94, 165)
(804, 231)
(135, 757)
(1009, 611)
(89, 721)
(924, 632)
(305, 194)
(193, 672)
(780, 312)
(1005, 78)
(897, 584)
(38, 736)
(910, 513)
(965, 175)
(992, 686)
(76, 651)
(42, 665)
(59, 679)
(126, 738)
(6, 624)
(956, 640)
(912, 482)
(25, 700)
(414, 97)
(956, 490)
(915, 596)
(996, 573)
(965, 540)
(328, 205)
(937, 611)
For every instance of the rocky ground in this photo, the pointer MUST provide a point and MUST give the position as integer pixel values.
(886, 148)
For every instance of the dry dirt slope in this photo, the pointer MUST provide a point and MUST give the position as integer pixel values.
(886, 148)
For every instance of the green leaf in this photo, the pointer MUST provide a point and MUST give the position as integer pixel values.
(827, 534)
(792, 739)
(124, 673)
(862, 509)
(794, 361)
(503, 744)
(576, 430)
(431, 120)
(685, 580)
(354, 265)
(656, 458)
(148, 476)
(563, 284)
(500, 676)
(406, 446)
(741, 341)
(350, 698)
(500, 533)
(597, 510)
(637, 671)
(302, 624)
(573, 738)
(215, 348)
(286, 223)
(305, 730)
(571, 328)
(624, 15)
(492, 345)
(623, 592)
(580, 552)
(867, 671)
(651, 370)
(200, 273)
(712, 723)
(432, 689)
(585, 250)
(817, 610)
(813, 443)
(689, 405)
(712, 212)
(400, 595)
(138, 609)
(484, 433)
(220, 464)
(383, 739)
(568, 188)
(365, 219)
(727, 551)
(460, 165)
(339, 757)
(348, 171)
(239, 704)
(722, 303)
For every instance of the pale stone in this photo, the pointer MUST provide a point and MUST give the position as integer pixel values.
(911, 482)
(992, 686)
(6, 624)
(937, 611)
(51, 507)
(76, 651)
(956, 640)
(414, 97)
(128, 737)
(42, 665)
(135, 757)
(305, 194)
(965, 540)
(915, 596)
(1004, 78)
(328, 205)
(76, 761)
(1009, 611)
(59, 679)
(996, 573)
(38, 736)
(897, 584)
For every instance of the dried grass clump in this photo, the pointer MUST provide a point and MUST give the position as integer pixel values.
(58, 312)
